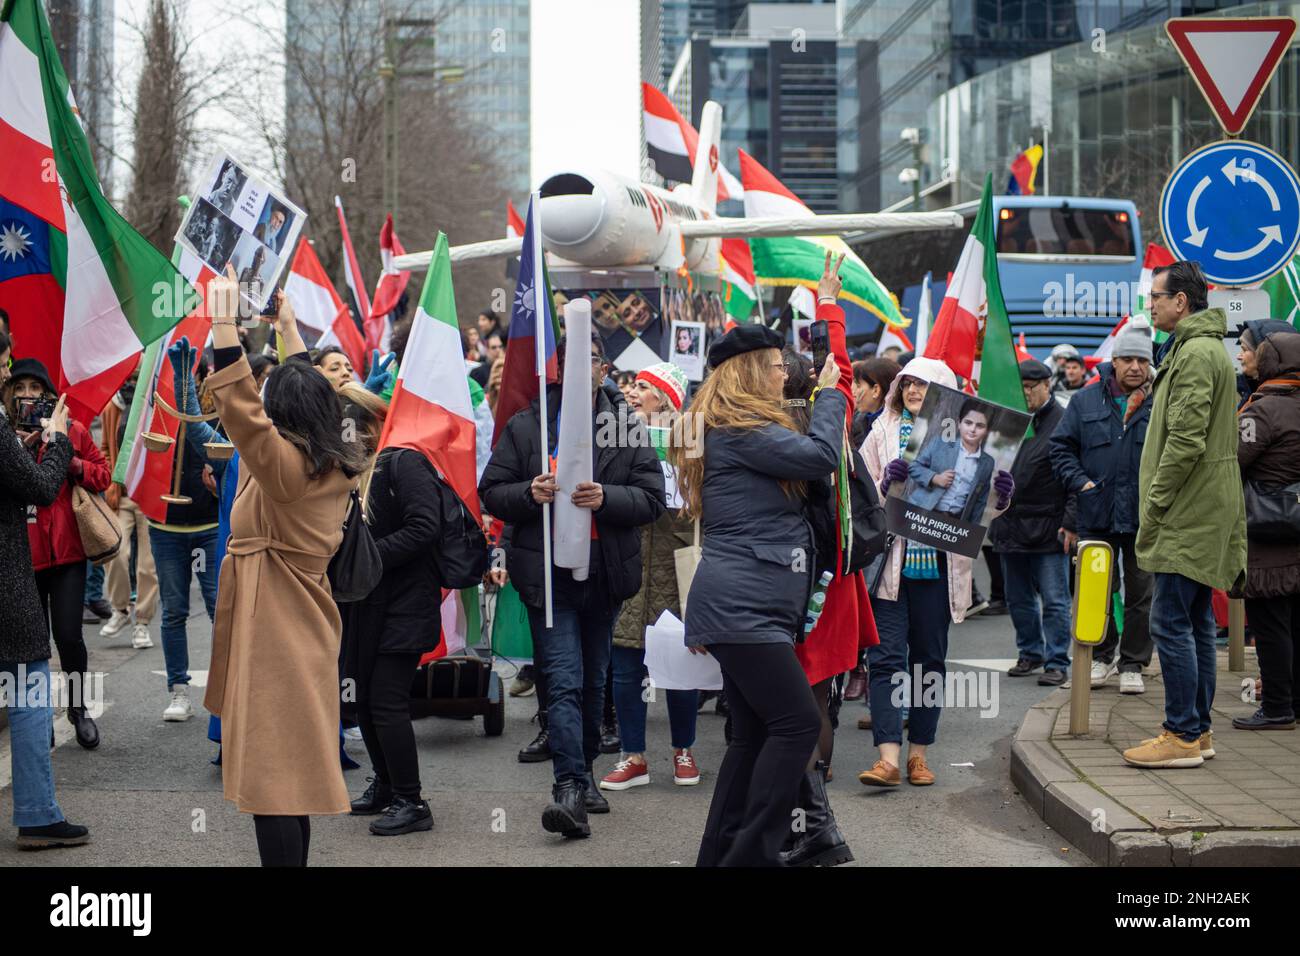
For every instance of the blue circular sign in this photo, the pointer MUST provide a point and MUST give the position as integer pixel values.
(1234, 207)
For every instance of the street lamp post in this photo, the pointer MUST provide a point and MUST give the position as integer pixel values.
(912, 174)
(390, 73)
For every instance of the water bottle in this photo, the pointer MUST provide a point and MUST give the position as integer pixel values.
(816, 603)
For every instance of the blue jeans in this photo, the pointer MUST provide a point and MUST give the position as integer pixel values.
(913, 634)
(175, 560)
(94, 583)
(1027, 578)
(575, 660)
(1182, 625)
(29, 739)
(630, 705)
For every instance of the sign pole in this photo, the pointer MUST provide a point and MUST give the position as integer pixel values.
(1094, 570)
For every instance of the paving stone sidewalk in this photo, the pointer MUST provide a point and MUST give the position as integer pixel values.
(1240, 808)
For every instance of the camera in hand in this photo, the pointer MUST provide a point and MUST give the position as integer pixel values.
(32, 411)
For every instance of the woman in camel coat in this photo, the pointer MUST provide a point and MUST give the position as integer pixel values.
(273, 679)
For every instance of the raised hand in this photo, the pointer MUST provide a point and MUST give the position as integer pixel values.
(828, 286)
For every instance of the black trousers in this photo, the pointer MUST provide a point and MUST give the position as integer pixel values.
(384, 715)
(1135, 644)
(282, 841)
(775, 724)
(62, 589)
(997, 591)
(1275, 622)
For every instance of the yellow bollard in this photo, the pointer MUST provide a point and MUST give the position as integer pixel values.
(1236, 635)
(1093, 571)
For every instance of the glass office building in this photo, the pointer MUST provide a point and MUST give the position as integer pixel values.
(921, 50)
(1117, 112)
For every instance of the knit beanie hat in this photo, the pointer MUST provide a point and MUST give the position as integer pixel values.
(1132, 342)
(669, 379)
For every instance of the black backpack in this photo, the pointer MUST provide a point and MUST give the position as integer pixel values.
(462, 556)
(868, 537)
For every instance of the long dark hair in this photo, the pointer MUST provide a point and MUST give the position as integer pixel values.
(307, 412)
(798, 385)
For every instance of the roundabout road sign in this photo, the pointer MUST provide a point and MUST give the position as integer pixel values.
(1234, 207)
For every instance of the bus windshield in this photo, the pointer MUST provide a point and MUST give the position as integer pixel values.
(1064, 231)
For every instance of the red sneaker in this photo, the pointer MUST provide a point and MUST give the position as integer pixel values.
(625, 775)
(685, 771)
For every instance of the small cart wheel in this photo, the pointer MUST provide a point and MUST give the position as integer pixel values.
(494, 721)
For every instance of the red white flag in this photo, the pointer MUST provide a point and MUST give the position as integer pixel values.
(318, 306)
(352, 269)
(389, 290)
(514, 222)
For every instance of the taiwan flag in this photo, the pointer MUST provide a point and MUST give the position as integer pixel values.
(532, 317)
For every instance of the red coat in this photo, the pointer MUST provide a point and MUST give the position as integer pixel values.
(846, 624)
(53, 536)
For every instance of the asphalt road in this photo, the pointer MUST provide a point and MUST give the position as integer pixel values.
(151, 797)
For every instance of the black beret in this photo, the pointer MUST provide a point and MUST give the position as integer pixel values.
(743, 338)
(1032, 370)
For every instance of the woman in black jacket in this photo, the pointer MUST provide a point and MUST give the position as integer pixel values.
(24, 635)
(748, 598)
(396, 624)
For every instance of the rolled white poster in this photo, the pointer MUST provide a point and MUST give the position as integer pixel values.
(574, 457)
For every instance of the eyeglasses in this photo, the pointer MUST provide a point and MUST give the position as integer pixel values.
(913, 383)
(1156, 295)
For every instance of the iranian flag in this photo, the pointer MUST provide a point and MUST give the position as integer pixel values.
(388, 292)
(738, 273)
(799, 260)
(80, 285)
(317, 306)
(972, 333)
(1284, 293)
(431, 412)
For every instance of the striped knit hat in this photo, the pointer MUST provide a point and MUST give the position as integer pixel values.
(669, 379)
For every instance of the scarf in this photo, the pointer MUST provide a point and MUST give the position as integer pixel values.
(921, 561)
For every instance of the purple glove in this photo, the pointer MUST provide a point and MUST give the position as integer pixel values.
(1005, 486)
(896, 470)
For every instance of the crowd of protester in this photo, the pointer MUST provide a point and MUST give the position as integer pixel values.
(1162, 451)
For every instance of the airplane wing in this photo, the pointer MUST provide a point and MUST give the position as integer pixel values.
(876, 222)
(830, 225)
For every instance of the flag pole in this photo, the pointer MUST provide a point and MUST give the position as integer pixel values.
(542, 314)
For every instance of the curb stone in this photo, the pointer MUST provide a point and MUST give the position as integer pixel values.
(1067, 802)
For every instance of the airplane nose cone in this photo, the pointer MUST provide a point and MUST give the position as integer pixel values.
(572, 209)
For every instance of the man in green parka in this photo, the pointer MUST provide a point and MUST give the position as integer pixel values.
(1192, 524)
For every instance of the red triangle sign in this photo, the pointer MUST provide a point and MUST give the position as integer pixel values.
(1232, 60)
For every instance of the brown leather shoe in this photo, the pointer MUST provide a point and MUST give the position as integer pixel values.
(918, 774)
(881, 774)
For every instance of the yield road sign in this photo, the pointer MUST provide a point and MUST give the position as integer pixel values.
(1232, 59)
(1234, 207)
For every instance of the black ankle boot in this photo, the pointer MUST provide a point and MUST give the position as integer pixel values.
(54, 835)
(821, 844)
(540, 749)
(375, 800)
(87, 732)
(403, 816)
(593, 799)
(567, 813)
(610, 743)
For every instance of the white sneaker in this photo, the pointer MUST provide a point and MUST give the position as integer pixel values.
(116, 624)
(140, 637)
(1101, 672)
(1130, 682)
(179, 708)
